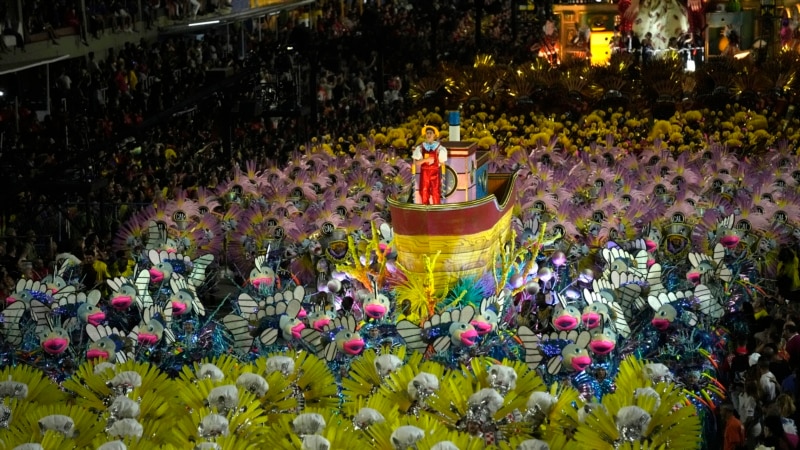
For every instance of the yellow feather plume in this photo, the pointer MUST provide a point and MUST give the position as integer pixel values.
(316, 381)
(338, 431)
(27, 429)
(192, 391)
(450, 405)
(379, 403)
(419, 292)
(50, 440)
(246, 423)
(363, 379)
(40, 388)
(563, 418)
(395, 386)
(380, 434)
(280, 397)
(88, 389)
(528, 381)
(674, 422)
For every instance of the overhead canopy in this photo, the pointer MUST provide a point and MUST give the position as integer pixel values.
(212, 21)
(6, 69)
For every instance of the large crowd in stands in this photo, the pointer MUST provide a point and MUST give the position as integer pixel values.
(109, 98)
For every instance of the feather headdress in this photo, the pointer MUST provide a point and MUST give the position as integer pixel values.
(788, 205)
(182, 209)
(206, 201)
(131, 234)
(238, 189)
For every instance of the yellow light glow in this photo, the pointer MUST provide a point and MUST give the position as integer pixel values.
(600, 46)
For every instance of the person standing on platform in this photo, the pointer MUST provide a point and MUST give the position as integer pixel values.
(433, 155)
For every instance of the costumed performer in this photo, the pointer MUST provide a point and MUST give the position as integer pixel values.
(433, 155)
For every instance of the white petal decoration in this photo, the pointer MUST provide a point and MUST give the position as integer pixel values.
(13, 389)
(223, 398)
(314, 442)
(124, 408)
(406, 436)
(213, 425)
(308, 423)
(126, 428)
(282, 364)
(253, 383)
(58, 423)
(210, 371)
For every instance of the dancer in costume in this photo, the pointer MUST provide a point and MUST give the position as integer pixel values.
(433, 155)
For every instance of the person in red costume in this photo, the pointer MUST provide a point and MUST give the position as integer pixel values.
(432, 154)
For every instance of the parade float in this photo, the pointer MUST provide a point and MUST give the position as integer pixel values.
(467, 231)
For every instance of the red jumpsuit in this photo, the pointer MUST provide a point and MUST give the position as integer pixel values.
(430, 179)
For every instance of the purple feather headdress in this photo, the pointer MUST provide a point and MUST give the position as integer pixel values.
(301, 184)
(209, 236)
(206, 200)
(131, 234)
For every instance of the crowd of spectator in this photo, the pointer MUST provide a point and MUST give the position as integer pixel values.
(142, 120)
(761, 375)
(39, 19)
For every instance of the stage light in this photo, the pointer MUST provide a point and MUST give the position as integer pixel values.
(742, 55)
(198, 24)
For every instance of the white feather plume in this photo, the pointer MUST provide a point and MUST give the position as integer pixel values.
(315, 442)
(366, 417)
(587, 410)
(423, 385)
(58, 423)
(123, 408)
(386, 364)
(30, 446)
(657, 372)
(125, 381)
(540, 402)
(308, 423)
(632, 423)
(223, 398)
(213, 425)
(103, 366)
(211, 371)
(406, 436)
(487, 398)
(648, 392)
(126, 428)
(445, 445)
(13, 389)
(253, 383)
(282, 364)
(502, 378)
